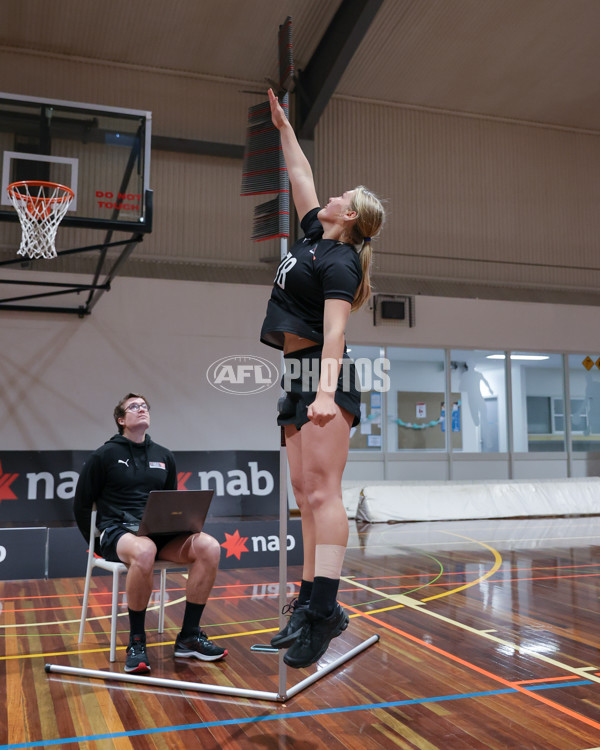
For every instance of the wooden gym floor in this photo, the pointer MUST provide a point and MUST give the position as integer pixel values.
(489, 640)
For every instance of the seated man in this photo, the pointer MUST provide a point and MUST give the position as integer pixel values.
(118, 478)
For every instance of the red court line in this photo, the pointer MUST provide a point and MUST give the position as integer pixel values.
(215, 588)
(96, 594)
(497, 580)
(297, 583)
(543, 680)
(109, 593)
(459, 572)
(507, 683)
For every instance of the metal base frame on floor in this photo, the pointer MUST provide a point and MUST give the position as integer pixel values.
(279, 697)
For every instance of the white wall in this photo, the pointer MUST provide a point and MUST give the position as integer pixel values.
(60, 376)
(486, 324)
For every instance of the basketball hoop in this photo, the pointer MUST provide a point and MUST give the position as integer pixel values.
(40, 207)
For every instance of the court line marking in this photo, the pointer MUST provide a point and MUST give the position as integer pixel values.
(480, 670)
(104, 649)
(277, 717)
(429, 584)
(561, 539)
(401, 599)
(513, 687)
(398, 597)
(108, 592)
(540, 680)
(406, 601)
(9, 657)
(13, 626)
(351, 581)
(497, 563)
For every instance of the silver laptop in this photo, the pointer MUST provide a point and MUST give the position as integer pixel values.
(175, 512)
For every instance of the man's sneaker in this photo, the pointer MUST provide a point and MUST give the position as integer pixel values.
(137, 658)
(197, 646)
(291, 631)
(315, 637)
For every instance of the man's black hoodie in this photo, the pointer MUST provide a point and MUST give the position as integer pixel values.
(118, 477)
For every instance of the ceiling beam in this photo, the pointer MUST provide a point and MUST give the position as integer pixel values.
(199, 148)
(318, 81)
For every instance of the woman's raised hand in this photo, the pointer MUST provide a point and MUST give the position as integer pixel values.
(277, 113)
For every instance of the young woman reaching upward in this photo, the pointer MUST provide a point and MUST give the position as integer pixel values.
(323, 277)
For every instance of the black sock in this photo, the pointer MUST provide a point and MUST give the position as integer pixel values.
(137, 622)
(191, 618)
(306, 588)
(324, 595)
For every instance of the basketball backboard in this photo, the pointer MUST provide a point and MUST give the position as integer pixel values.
(101, 153)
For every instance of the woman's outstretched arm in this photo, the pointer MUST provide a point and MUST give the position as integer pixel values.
(298, 166)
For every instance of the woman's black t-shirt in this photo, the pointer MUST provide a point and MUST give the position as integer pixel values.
(314, 270)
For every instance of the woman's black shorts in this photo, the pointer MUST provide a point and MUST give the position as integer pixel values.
(300, 382)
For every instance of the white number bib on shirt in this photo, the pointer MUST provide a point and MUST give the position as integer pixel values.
(285, 266)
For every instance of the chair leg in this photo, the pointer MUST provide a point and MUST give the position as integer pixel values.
(84, 606)
(161, 609)
(113, 616)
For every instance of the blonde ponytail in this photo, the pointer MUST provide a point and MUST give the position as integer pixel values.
(364, 290)
(370, 216)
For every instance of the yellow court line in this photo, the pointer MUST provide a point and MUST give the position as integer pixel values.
(78, 620)
(579, 671)
(419, 606)
(400, 597)
(491, 571)
(149, 645)
(99, 617)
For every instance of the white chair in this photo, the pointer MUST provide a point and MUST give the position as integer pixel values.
(116, 568)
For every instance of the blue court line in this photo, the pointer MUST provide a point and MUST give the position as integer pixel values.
(281, 716)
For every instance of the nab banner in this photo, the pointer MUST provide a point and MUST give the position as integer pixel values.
(61, 552)
(38, 487)
(22, 554)
(255, 544)
(246, 483)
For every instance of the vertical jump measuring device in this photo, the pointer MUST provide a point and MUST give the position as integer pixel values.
(264, 172)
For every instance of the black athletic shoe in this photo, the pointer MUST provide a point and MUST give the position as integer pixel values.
(197, 646)
(315, 637)
(291, 631)
(137, 658)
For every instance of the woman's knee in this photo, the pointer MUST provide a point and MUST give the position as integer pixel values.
(322, 496)
(299, 495)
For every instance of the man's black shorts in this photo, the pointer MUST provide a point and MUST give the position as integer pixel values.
(301, 383)
(111, 535)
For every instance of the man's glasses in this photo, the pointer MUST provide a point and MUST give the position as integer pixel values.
(138, 407)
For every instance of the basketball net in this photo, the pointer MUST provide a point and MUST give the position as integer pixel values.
(40, 207)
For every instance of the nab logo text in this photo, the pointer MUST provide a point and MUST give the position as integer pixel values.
(242, 375)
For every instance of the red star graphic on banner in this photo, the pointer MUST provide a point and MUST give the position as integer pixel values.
(235, 544)
(5, 481)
